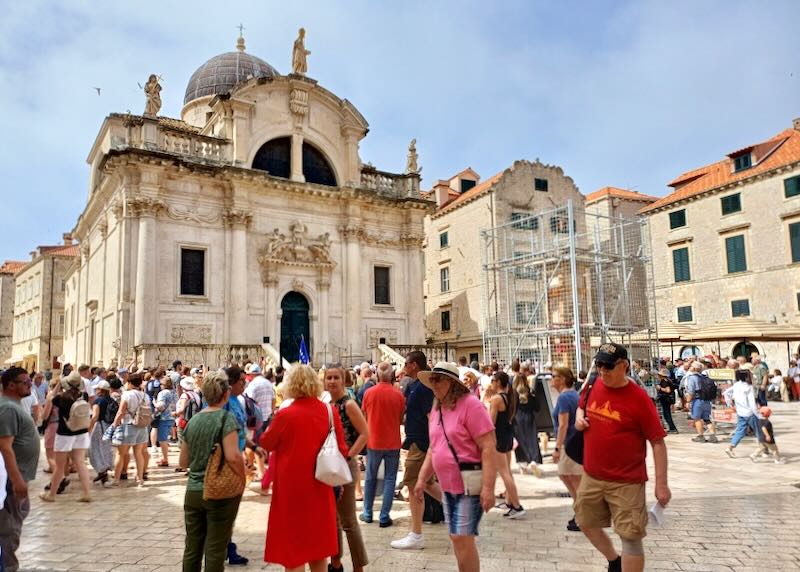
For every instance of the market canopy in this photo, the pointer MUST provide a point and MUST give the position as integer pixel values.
(746, 329)
(671, 332)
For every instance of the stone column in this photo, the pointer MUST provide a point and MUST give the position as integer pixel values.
(323, 339)
(297, 158)
(237, 223)
(414, 294)
(146, 297)
(352, 289)
(271, 310)
(351, 175)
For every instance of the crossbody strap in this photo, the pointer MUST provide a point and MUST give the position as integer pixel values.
(588, 392)
(219, 439)
(446, 438)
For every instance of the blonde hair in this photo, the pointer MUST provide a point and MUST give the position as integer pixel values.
(214, 386)
(302, 381)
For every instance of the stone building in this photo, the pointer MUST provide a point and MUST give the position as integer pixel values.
(39, 307)
(726, 246)
(453, 265)
(243, 227)
(7, 299)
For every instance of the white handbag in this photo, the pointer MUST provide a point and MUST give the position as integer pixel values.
(332, 468)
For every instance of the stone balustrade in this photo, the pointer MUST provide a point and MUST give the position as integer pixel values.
(196, 146)
(395, 354)
(390, 184)
(212, 355)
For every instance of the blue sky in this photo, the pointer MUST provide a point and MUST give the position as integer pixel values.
(619, 93)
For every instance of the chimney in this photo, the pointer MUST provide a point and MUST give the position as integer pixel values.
(441, 192)
(67, 236)
(796, 123)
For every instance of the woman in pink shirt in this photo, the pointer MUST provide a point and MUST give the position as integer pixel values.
(462, 454)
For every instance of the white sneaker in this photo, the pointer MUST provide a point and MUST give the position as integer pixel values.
(515, 513)
(411, 541)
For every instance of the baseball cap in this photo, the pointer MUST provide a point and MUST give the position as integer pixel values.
(103, 384)
(255, 368)
(609, 354)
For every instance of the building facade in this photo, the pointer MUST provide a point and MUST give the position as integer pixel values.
(249, 224)
(7, 303)
(38, 328)
(726, 246)
(453, 263)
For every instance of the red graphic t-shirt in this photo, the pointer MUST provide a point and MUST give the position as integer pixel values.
(621, 421)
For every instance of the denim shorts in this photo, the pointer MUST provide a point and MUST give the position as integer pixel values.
(165, 428)
(701, 410)
(462, 513)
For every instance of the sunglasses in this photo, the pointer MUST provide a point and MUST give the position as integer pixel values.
(607, 365)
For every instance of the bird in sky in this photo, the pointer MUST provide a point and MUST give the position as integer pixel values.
(97, 89)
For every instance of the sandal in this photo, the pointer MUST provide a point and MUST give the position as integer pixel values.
(163, 463)
(46, 497)
(84, 499)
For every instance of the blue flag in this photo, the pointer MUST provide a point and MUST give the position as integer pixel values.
(303, 351)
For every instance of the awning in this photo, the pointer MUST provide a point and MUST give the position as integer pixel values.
(13, 360)
(671, 332)
(747, 329)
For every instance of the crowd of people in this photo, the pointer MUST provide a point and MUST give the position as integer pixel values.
(450, 428)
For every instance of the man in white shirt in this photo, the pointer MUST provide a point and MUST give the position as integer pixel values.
(742, 396)
(261, 390)
(86, 375)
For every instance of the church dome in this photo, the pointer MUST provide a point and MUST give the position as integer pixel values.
(222, 73)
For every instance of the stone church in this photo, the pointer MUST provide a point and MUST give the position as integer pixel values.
(246, 226)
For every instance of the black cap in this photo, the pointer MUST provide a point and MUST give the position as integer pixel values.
(610, 353)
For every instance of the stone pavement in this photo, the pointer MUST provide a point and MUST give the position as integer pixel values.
(726, 514)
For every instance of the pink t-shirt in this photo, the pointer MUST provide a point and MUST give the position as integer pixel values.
(464, 424)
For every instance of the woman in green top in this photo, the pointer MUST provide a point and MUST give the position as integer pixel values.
(209, 523)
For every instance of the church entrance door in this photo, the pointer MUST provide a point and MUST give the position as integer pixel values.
(294, 326)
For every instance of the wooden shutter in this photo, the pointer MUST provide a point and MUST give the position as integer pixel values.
(794, 240)
(680, 263)
(735, 254)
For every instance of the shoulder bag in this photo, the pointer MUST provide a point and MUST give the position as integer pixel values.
(573, 448)
(221, 481)
(471, 473)
(143, 416)
(332, 468)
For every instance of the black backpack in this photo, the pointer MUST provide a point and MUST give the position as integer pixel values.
(111, 411)
(708, 389)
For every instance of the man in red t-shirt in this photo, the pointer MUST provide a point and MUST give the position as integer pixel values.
(383, 406)
(618, 418)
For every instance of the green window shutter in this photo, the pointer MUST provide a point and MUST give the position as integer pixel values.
(735, 254)
(740, 308)
(794, 240)
(791, 187)
(677, 219)
(731, 204)
(685, 314)
(680, 264)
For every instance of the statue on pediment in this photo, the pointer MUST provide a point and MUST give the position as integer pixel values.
(412, 161)
(300, 54)
(152, 91)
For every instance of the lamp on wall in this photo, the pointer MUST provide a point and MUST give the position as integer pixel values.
(265, 340)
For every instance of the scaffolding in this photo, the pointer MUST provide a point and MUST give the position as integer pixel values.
(559, 283)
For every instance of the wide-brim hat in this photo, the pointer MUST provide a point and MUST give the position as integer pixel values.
(441, 368)
(72, 380)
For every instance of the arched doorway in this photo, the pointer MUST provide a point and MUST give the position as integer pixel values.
(687, 351)
(294, 326)
(744, 349)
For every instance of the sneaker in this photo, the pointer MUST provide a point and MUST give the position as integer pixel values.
(673, 431)
(411, 541)
(572, 526)
(514, 513)
(699, 439)
(780, 461)
(753, 457)
(363, 518)
(730, 453)
(386, 523)
(712, 439)
(502, 506)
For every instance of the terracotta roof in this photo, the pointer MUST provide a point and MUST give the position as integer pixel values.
(782, 149)
(62, 250)
(11, 266)
(616, 192)
(471, 194)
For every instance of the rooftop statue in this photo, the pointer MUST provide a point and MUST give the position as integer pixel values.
(300, 54)
(152, 90)
(412, 167)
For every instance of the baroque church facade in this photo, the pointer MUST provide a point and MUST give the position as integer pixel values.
(246, 226)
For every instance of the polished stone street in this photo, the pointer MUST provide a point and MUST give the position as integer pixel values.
(726, 514)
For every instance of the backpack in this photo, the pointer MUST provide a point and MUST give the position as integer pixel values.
(153, 388)
(143, 416)
(111, 411)
(190, 409)
(708, 389)
(79, 415)
(255, 418)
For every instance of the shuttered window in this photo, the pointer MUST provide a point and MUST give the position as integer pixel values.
(731, 204)
(382, 285)
(680, 263)
(193, 272)
(794, 240)
(740, 308)
(444, 279)
(735, 254)
(791, 187)
(677, 219)
(685, 314)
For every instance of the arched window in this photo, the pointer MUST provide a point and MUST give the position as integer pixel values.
(275, 157)
(744, 349)
(316, 168)
(687, 351)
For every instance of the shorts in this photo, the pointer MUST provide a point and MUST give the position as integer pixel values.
(165, 429)
(600, 503)
(567, 466)
(462, 513)
(66, 443)
(505, 442)
(701, 410)
(132, 435)
(50, 435)
(414, 460)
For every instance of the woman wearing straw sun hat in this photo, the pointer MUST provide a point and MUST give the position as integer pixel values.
(462, 454)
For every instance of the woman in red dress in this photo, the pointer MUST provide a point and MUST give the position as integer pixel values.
(302, 515)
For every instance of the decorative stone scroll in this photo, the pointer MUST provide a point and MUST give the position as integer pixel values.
(298, 101)
(192, 215)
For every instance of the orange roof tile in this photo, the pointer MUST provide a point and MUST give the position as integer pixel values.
(616, 192)
(471, 194)
(11, 266)
(782, 149)
(72, 250)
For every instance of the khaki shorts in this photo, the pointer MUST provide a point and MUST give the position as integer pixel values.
(600, 503)
(414, 461)
(567, 466)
